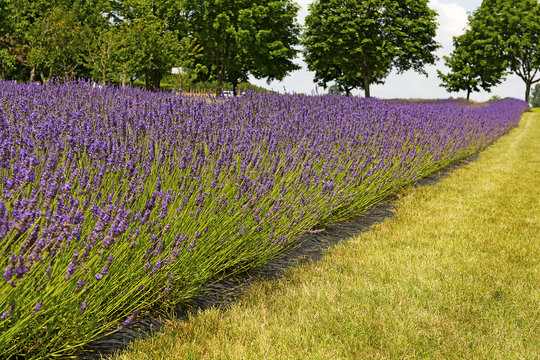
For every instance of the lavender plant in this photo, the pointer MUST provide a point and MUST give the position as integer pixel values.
(117, 201)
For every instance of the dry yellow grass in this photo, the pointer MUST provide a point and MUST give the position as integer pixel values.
(454, 275)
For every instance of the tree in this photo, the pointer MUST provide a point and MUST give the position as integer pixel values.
(335, 90)
(58, 43)
(50, 36)
(357, 43)
(470, 68)
(155, 47)
(103, 54)
(237, 38)
(535, 98)
(512, 28)
(151, 47)
(7, 60)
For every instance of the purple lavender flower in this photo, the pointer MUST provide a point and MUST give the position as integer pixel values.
(129, 172)
(8, 313)
(37, 308)
(84, 304)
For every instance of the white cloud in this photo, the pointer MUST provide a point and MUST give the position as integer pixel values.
(452, 21)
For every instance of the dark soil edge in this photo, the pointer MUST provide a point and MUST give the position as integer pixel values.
(224, 292)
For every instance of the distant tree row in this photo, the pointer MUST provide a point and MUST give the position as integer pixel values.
(123, 40)
(357, 43)
(535, 96)
(503, 36)
(351, 43)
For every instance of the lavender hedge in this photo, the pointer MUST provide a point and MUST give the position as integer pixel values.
(114, 202)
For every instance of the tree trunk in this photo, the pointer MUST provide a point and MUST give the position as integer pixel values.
(152, 79)
(156, 80)
(33, 74)
(468, 94)
(347, 91)
(147, 79)
(123, 79)
(220, 81)
(528, 91)
(235, 87)
(366, 88)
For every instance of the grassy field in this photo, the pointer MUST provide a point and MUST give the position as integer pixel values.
(454, 275)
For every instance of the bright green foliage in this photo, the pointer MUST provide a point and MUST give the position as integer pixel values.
(358, 43)
(130, 40)
(148, 47)
(6, 58)
(535, 96)
(521, 35)
(103, 53)
(509, 33)
(335, 90)
(243, 37)
(470, 68)
(153, 47)
(6, 61)
(49, 38)
(57, 42)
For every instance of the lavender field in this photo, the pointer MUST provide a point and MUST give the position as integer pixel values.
(115, 202)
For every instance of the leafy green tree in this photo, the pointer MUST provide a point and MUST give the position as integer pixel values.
(535, 96)
(103, 54)
(7, 62)
(470, 68)
(58, 40)
(127, 59)
(7, 59)
(237, 38)
(48, 36)
(151, 47)
(4, 11)
(155, 47)
(358, 43)
(511, 28)
(336, 90)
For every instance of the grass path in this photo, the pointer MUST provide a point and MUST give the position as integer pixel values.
(454, 275)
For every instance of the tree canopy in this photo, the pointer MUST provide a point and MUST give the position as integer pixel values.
(347, 43)
(504, 35)
(242, 37)
(471, 66)
(358, 43)
(535, 96)
(112, 40)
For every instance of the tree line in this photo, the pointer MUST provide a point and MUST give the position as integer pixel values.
(502, 37)
(348, 44)
(123, 40)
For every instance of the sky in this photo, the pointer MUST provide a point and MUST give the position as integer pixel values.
(452, 21)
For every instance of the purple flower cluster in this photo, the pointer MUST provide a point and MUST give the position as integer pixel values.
(135, 196)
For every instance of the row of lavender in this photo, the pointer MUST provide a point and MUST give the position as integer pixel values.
(114, 202)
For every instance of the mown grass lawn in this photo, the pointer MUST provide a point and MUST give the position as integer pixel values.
(454, 275)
